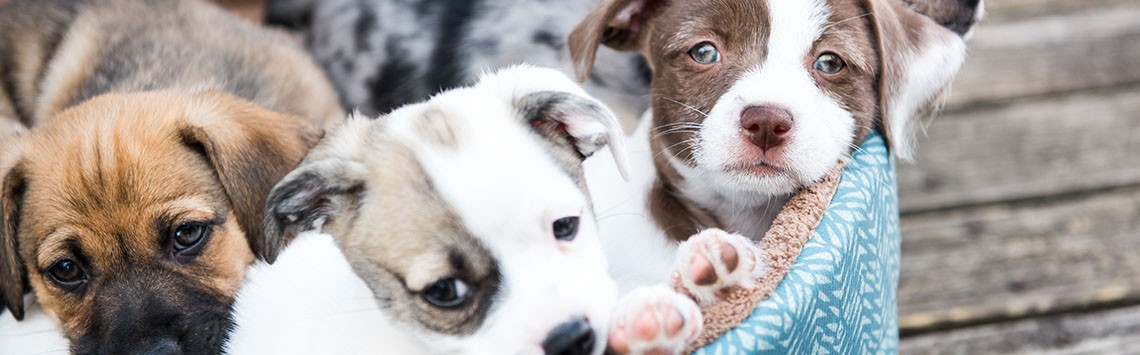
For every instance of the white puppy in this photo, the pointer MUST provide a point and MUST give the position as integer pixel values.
(466, 219)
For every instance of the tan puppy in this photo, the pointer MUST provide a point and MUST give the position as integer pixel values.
(156, 130)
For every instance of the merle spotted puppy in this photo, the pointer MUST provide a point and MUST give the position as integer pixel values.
(384, 53)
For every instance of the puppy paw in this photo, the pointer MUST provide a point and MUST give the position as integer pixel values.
(715, 261)
(654, 320)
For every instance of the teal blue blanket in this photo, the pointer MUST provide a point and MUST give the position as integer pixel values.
(839, 296)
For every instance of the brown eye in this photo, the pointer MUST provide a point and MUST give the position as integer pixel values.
(705, 53)
(829, 63)
(189, 238)
(67, 274)
(447, 293)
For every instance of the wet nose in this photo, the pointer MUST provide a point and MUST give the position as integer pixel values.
(767, 127)
(570, 338)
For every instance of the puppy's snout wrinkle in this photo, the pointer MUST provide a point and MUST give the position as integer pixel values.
(570, 338)
(766, 126)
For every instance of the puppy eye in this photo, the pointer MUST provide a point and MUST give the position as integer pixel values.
(67, 274)
(705, 53)
(829, 63)
(447, 293)
(189, 238)
(565, 229)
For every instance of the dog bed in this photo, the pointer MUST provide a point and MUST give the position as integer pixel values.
(833, 259)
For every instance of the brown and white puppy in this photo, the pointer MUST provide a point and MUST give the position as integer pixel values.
(155, 131)
(752, 101)
(465, 218)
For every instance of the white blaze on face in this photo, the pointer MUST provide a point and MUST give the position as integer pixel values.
(822, 131)
(508, 193)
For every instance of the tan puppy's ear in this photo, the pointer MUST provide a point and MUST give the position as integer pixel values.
(922, 46)
(13, 277)
(617, 24)
(250, 149)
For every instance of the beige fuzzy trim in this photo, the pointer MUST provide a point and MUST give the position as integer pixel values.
(782, 244)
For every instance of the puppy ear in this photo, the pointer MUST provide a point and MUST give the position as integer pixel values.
(921, 53)
(250, 149)
(579, 123)
(617, 24)
(13, 277)
(326, 186)
(956, 15)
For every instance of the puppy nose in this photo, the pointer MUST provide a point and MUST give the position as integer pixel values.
(766, 126)
(570, 338)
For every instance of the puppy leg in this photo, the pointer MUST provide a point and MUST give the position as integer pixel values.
(654, 320)
(714, 261)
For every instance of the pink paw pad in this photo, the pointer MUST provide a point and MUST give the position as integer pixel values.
(654, 320)
(715, 261)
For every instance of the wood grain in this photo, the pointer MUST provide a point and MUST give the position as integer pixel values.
(1026, 149)
(1018, 260)
(1114, 331)
(1090, 46)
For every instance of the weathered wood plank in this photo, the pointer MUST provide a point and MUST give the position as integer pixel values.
(1091, 47)
(1017, 260)
(1028, 148)
(1006, 10)
(1114, 331)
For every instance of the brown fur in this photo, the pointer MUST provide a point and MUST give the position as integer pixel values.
(363, 170)
(144, 115)
(864, 33)
(119, 194)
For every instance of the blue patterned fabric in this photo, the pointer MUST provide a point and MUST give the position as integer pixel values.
(839, 297)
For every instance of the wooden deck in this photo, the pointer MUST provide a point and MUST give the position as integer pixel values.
(1021, 216)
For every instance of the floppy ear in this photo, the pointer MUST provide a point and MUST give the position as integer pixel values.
(250, 149)
(581, 124)
(617, 24)
(326, 186)
(921, 53)
(13, 277)
(310, 198)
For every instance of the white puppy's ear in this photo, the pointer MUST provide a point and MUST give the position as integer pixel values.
(922, 46)
(579, 123)
(618, 24)
(325, 186)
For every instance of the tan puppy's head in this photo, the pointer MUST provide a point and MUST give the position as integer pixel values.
(133, 217)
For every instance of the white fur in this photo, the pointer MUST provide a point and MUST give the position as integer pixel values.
(36, 334)
(821, 134)
(507, 191)
(928, 73)
(311, 302)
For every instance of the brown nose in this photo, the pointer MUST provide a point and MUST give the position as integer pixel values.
(766, 126)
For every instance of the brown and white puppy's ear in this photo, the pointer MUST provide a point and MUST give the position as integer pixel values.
(13, 277)
(618, 24)
(326, 186)
(250, 149)
(581, 124)
(922, 47)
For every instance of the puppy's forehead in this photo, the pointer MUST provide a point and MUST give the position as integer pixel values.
(495, 172)
(98, 172)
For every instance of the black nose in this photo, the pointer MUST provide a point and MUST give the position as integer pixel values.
(766, 126)
(160, 347)
(570, 338)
